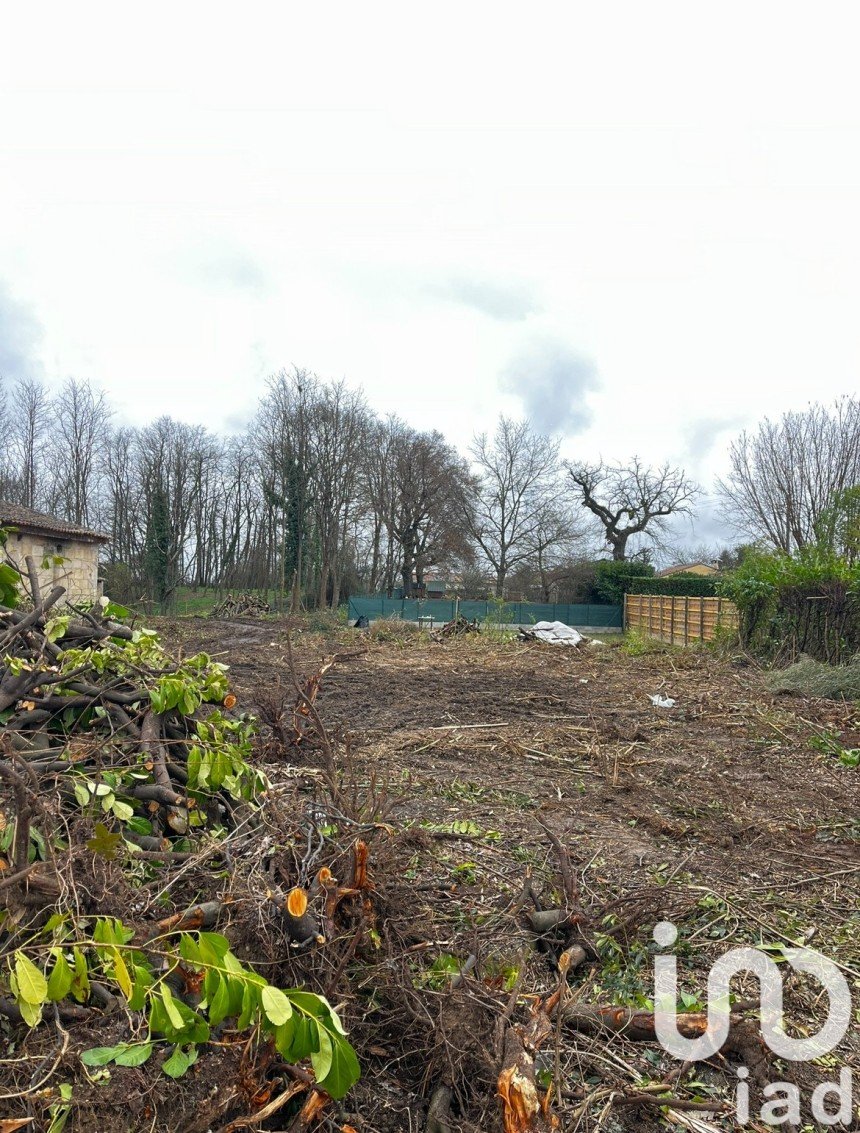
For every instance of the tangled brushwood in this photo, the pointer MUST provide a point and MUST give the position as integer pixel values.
(130, 821)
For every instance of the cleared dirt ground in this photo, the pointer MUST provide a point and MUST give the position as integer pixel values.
(723, 814)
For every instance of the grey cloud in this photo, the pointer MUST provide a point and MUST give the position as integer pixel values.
(227, 269)
(507, 302)
(20, 338)
(552, 381)
(237, 422)
(704, 433)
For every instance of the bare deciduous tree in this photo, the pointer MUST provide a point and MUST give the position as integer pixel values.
(434, 491)
(31, 419)
(79, 431)
(632, 499)
(518, 512)
(786, 474)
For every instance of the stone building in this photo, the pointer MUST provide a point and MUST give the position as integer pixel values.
(64, 554)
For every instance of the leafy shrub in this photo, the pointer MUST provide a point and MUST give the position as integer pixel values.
(683, 585)
(612, 580)
(636, 643)
(808, 602)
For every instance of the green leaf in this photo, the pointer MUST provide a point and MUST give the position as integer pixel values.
(179, 1061)
(236, 990)
(321, 1059)
(55, 628)
(60, 980)
(32, 985)
(189, 949)
(193, 766)
(220, 1004)
(310, 1004)
(139, 825)
(344, 1070)
(101, 1055)
(334, 1018)
(171, 1008)
(81, 982)
(305, 1037)
(284, 1036)
(276, 1007)
(142, 982)
(249, 1004)
(123, 811)
(31, 1013)
(121, 975)
(216, 944)
(103, 843)
(103, 933)
(134, 1054)
(82, 794)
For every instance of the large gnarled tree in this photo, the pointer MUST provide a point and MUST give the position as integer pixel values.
(632, 499)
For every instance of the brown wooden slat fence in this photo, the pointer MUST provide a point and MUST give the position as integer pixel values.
(678, 620)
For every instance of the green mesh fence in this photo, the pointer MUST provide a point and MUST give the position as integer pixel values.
(512, 613)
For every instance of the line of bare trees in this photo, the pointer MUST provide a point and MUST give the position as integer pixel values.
(322, 497)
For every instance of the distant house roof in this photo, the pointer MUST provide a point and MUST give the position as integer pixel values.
(39, 523)
(694, 568)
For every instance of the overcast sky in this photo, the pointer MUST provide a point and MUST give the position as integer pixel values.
(637, 223)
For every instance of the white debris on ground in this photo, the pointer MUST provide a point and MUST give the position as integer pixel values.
(554, 633)
(661, 701)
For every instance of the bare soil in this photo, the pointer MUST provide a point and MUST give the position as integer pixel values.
(722, 814)
(727, 814)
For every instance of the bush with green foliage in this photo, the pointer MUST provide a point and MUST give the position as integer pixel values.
(612, 580)
(684, 585)
(808, 602)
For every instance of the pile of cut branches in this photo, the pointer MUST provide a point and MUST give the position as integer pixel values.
(126, 792)
(240, 606)
(459, 626)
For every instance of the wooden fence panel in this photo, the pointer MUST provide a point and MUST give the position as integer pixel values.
(678, 619)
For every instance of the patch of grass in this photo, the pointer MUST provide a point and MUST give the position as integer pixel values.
(189, 602)
(813, 678)
(324, 621)
(637, 644)
(396, 631)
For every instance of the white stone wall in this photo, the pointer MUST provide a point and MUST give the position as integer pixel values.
(78, 572)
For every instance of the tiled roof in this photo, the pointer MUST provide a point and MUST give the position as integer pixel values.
(679, 568)
(14, 515)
